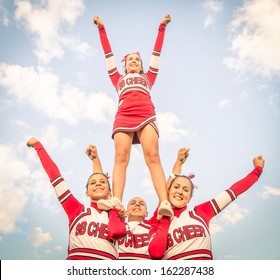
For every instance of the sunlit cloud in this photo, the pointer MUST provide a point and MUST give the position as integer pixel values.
(213, 7)
(52, 38)
(43, 91)
(13, 198)
(268, 192)
(19, 169)
(224, 103)
(41, 192)
(169, 128)
(210, 20)
(255, 38)
(215, 228)
(58, 249)
(136, 152)
(50, 136)
(4, 13)
(147, 184)
(233, 214)
(39, 237)
(22, 124)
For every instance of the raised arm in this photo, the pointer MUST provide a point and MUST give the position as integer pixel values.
(109, 56)
(64, 195)
(46, 161)
(160, 225)
(182, 156)
(220, 202)
(243, 185)
(154, 63)
(116, 225)
(91, 152)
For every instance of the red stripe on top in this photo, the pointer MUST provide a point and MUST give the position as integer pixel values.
(193, 253)
(90, 251)
(217, 208)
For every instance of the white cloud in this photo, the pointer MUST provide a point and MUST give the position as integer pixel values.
(22, 124)
(46, 21)
(41, 191)
(13, 198)
(12, 202)
(213, 7)
(230, 216)
(4, 14)
(147, 184)
(38, 237)
(66, 144)
(136, 153)
(19, 183)
(215, 228)
(148, 187)
(82, 49)
(224, 103)
(268, 191)
(55, 249)
(210, 20)
(42, 91)
(58, 249)
(169, 130)
(255, 38)
(52, 138)
(274, 102)
(233, 214)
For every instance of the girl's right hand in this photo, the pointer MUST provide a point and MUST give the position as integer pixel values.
(258, 161)
(91, 152)
(30, 143)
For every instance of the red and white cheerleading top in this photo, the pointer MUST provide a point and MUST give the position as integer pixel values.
(187, 236)
(135, 108)
(134, 246)
(88, 226)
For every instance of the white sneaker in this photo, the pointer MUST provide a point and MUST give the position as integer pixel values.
(165, 209)
(109, 204)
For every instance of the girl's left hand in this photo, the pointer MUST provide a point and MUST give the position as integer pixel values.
(166, 19)
(97, 20)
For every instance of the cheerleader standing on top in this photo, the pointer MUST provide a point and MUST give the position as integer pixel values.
(135, 120)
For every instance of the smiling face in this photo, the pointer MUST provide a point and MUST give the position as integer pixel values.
(133, 63)
(180, 192)
(98, 187)
(137, 210)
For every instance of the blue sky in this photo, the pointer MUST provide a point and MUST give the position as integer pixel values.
(217, 93)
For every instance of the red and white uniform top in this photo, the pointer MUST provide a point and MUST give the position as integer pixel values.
(134, 246)
(135, 109)
(88, 226)
(187, 236)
